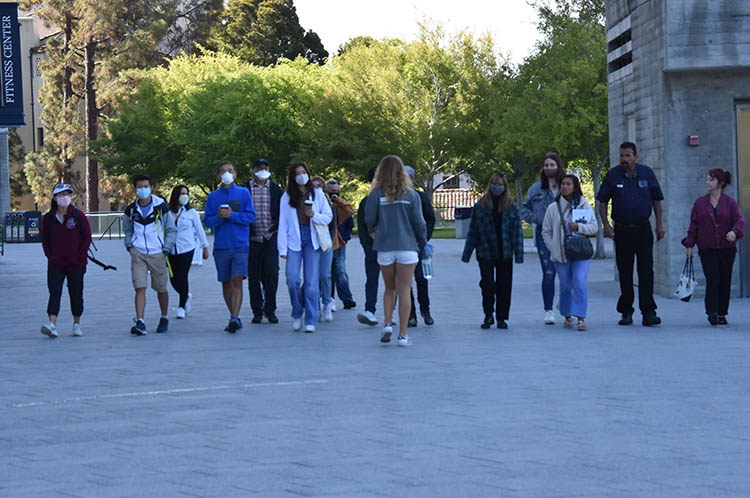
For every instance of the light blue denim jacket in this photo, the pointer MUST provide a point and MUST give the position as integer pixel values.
(535, 204)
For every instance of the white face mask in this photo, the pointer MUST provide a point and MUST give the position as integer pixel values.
(302, 179)
(263, 174)
(63, 200)
(184, 199)
(227, 178)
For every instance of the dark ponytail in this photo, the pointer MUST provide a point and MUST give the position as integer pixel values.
(724, 177)
(52, 206)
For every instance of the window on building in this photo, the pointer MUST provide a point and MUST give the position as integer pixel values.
(620, 47)
(454, 182)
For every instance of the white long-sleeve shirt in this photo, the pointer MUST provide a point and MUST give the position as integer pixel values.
(189, 228)
(289, 237)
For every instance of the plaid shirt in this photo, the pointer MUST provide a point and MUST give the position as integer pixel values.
(262, 200)
(482, 235)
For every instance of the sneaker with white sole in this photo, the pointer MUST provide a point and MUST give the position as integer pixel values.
(50, 330)
(327, 312)
(403, 340)
(187, 303)
(387, 332)
(180, 313)
(139, 328)
(549, 317)
(297, 324)
(77, 332)
(368, 318)
(333, 306)
(309, 329)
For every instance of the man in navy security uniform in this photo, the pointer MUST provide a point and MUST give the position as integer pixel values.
(634, 191)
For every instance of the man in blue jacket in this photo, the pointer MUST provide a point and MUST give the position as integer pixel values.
(230, 212)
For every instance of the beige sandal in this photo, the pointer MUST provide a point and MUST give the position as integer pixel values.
(581, 325)
(568, 323)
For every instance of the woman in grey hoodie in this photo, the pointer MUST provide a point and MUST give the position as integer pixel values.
(393, 213)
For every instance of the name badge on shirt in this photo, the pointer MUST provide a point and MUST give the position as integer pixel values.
(643, 183)
(620, 185)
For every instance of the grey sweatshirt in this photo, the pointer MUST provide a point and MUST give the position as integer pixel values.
(398, 225)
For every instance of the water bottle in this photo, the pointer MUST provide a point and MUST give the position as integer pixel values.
(427, 268)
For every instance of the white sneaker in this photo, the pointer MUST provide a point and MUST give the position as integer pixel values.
(333, 306)
(368, 318)
(77, 332)
(403, 340)
(549, 317)
(297, 324)
(181, 312)
(309, 329)
(187, 304)
(327, 313)
(387, 332)
(49, 330)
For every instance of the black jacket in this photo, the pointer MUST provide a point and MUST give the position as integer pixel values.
(275, 192)
(428, 212)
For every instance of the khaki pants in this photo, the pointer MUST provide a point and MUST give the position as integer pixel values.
(143, 264)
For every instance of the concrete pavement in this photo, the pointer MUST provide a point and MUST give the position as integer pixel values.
(535, 411)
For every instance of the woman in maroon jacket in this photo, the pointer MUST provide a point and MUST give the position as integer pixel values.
(716, 223)
(66, 236)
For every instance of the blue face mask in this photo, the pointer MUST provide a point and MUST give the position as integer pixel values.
(143, 192)
(497, 190)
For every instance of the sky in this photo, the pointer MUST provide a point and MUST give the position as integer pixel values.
(511, 22)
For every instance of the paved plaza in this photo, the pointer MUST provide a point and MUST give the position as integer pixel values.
(534, 411)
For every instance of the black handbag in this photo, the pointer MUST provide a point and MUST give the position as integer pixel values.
(575, 247)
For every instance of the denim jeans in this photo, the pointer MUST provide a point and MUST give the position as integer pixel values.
(548, 269)
(574, 293)
(339, 274)
(372, 274)
(326, 260)
(311, 260)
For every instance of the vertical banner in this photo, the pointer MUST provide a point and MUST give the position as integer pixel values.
(11, 88)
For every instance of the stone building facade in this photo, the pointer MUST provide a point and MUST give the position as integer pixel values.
(679, 87)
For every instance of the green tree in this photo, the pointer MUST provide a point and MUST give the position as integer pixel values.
(263, 31)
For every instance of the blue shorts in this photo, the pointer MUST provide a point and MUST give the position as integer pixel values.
(231, 263)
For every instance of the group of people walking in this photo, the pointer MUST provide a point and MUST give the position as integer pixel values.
(308, 225)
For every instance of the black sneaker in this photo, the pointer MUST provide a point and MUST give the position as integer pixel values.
(428, 319)
(488, 322)
(650, 319)
(257, 318)
(163, 325)
(627, 319)
(723, 320)
(501, 324)
(349, 305)
(272, 317)
(412, 321)
(233, 326)
(139, 328)
(713, 319)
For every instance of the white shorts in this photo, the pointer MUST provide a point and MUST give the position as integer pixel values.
(387, 258)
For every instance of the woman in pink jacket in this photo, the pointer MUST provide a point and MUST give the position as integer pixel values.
(716, 224)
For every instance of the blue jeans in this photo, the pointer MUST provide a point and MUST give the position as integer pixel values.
(326, 260)
(548, 269)
(574, 294)
(340, 275)
(294, 261)
(372, 273)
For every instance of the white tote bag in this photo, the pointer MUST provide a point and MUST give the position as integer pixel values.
(324, 237)
(686, 286)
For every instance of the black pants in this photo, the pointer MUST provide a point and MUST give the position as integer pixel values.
(632, 243)
(496, 283)
(180, 264)
(372, 276)
(423, 295)
(55, 279)
(263, 270)
(717, 267)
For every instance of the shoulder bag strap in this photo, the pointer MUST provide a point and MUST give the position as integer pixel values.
(562, 218)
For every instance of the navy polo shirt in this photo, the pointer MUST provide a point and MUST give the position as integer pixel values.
(632, 197)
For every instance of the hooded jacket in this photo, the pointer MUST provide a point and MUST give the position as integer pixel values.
(553, 232)
(66, 244)
(153, 233)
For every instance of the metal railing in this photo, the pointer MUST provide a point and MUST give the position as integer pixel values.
(109, 224)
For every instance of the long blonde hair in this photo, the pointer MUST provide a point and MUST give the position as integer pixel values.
(392, 178)
(505, 201)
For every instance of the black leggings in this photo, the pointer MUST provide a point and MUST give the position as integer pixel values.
(55, 279)
(180, 268)
(717, 267)
(496, 284)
